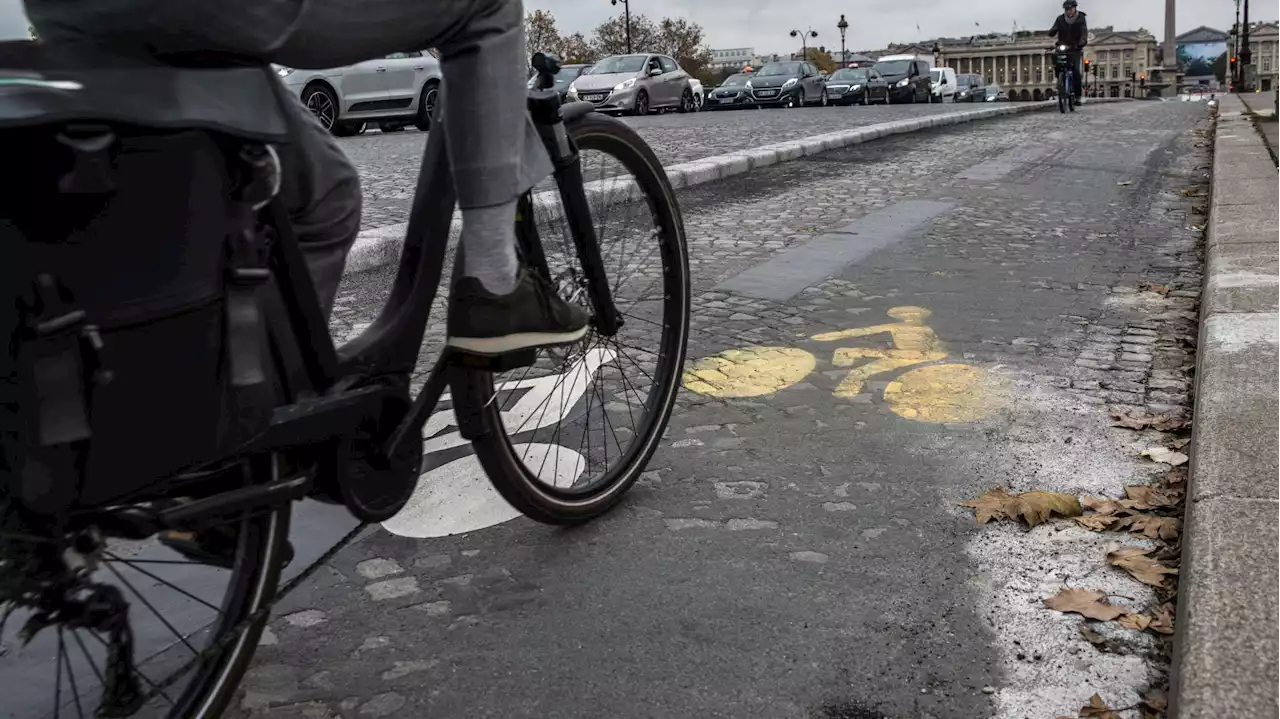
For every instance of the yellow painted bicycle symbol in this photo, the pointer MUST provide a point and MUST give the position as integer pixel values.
(929, 393)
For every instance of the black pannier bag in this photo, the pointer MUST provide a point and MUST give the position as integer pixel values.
(133, 263)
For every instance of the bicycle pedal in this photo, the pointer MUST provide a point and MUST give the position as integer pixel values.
(496, 363)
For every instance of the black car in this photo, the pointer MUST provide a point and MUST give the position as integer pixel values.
(858, 85)
(994, 93)
(732, 94)
(567, 74)
(908, 77)
(788, 84)
(970, 88)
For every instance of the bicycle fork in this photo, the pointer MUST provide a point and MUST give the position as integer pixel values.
(544, 107)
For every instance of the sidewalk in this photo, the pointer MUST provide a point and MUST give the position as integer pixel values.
(1225, 654)
(1264, 104)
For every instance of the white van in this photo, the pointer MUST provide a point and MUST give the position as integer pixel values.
(942, 84)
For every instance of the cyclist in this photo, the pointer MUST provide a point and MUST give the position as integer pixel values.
(494, 150)
(1072, 30)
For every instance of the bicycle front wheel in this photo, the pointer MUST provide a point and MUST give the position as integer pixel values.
(571, 433)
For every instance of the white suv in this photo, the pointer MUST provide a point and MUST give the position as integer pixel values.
(394, 91)
(942, 84)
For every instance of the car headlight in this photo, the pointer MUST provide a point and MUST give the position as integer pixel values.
(1061, 48)
(855, 88)
(624, 85)
(284, 71)
(904, 82)
(789, 83)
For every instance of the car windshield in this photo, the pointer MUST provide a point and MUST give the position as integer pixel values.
(569, 74)
(849, 75)
(780, 68)
(935, 75)
(893, 67)
(618, 63)
(738, 79)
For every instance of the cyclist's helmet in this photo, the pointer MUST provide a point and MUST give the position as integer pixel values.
(1068, 4)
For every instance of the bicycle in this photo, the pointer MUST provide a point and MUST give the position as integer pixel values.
(1065, 69)
(352, 431)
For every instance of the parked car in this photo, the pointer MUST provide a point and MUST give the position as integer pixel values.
(907, 75)
(635, 84)
(397, 90)
(732, 94)
(858, 85)
(970, 88)
(942, 84)
(995, 94)
(787, 84)
(567, 74)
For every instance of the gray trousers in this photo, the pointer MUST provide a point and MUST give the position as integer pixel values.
(492, 145)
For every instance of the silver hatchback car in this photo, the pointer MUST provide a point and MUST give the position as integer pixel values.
(635, 84)
(391, 92)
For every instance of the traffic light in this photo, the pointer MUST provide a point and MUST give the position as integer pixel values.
(1142, 80)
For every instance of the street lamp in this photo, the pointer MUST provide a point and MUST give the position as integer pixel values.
(626, 10)
(804, 40)
(843, 26)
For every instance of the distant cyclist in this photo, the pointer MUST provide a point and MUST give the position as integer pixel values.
(1072, 31)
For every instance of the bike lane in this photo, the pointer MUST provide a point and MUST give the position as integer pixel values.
(879, 333)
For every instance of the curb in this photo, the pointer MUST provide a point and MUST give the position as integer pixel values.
(381, 246)
(1225, 649)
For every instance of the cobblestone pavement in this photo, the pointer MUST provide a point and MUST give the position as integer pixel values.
(798, 553)
(389, 163)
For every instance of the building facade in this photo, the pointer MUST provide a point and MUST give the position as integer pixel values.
(732, 58)
(1263, 42)
(1020, 63)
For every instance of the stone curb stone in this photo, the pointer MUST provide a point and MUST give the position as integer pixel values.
(1226, 645)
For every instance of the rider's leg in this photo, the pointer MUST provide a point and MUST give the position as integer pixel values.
(493, 147)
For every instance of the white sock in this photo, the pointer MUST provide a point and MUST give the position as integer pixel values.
(489, 242)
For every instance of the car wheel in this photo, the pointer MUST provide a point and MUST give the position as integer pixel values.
(427, 104)
(699, 102)
(347, 129)
(642, 104)
(686, 101)
(797, 100)
(823, 100)
(322, 103)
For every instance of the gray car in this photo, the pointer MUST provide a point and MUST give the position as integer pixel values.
(635, 84)
(397, 90)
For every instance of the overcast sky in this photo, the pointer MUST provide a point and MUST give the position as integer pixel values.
(764, 24)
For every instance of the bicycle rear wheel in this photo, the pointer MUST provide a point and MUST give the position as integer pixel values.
(193, 627)
(569, 435)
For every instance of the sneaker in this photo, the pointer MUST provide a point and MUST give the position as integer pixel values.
(532, 315)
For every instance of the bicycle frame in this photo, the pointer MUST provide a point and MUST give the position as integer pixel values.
(337, 391)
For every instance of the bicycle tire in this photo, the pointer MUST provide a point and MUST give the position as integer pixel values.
(1062, 93)
(473, 390)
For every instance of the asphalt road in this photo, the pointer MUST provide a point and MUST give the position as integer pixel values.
(798, 552)
(389, 162)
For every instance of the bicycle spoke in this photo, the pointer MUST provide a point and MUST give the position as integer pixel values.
(150, 606)
(165, 582)
(71, 675)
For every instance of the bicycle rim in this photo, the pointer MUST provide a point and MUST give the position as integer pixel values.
(574, 431)
(192, 643)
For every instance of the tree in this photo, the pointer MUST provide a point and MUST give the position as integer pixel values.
(576, 50)
(821, 59)
(540, 34)
(683, 40)
(610, 37)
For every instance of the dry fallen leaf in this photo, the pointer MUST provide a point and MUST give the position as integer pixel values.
(1097, 522)
(1180, 443)
(1134, 621)
(989, 506)
(1143, 568)
(1154, 703)
(1158, 422)
(1085, 602)
(1102, 505)
(1162, 619)
(1035, 507)
(1093, 637)
(1164, 455)
(1098, 709)
(1124, 183)
(1146, 496)
(1150, 525)
(1176, 477)
(1153, 287)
